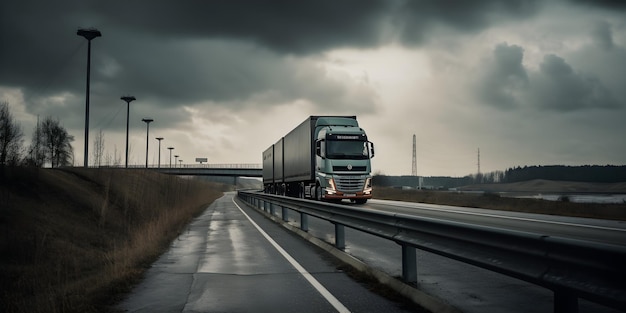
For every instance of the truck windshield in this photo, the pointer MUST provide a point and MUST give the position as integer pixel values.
(346, 149)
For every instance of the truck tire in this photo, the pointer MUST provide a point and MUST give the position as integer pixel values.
(318, 192)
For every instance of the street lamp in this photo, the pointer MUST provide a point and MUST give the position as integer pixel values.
(147, 121)
(175, 160)
(159, 139)
(89, 34)
(171, 148)
(128, 99)
(181, 163)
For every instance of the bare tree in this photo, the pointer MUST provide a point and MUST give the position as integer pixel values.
(36, 155)
(56, 142)
(10, 137)
(98, 149)
(113, 160)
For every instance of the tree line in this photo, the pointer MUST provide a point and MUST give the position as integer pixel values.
(584, 173)
(51, 144)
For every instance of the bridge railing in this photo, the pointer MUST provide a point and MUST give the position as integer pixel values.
(571, 268)
(207, 165)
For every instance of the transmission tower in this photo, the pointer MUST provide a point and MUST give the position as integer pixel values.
(479, 161)
(414, 170)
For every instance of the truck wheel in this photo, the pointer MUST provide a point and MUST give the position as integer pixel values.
(318, 193)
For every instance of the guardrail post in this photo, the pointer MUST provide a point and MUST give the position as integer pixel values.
(409, 264)
(285, 215)
(340, 236)
(304, 222)
(565, 302)
(272, 209)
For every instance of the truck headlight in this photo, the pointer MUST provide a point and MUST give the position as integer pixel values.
(367, 188)
(331, 184)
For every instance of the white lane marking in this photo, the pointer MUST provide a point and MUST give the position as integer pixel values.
(321, 289)
(500, 216)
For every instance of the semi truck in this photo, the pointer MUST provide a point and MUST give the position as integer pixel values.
(326, 158)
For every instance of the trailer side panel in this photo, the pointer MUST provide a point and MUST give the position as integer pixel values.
(298, 156)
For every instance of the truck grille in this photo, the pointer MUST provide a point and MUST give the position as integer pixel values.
(345, 169)
(349, 184)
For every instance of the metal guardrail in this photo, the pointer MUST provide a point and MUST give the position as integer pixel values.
(571, 268)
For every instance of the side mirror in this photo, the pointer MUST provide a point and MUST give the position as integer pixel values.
(318, 148)
(371, 149)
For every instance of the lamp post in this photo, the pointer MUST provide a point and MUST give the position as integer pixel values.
(175, 160)
(89, 34)
(181, 163)
(159, 139)
(128, 99)
(147, 121)
(171, 148)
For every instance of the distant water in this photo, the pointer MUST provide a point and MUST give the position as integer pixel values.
(578, 198)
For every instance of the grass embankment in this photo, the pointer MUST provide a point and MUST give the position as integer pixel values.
(72, 239)
(495, 202)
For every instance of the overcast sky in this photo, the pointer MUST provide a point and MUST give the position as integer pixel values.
(526, 82)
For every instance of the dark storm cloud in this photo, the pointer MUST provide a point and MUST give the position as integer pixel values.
(224, 73)
(303, 27)
(288, 26)
(505, 83)
(503, 77)
(607, 4)
(181, 53)
(602, 35)
(558, 87)
(602, 58)
(587, 78)
(417, 18)
(154, 50)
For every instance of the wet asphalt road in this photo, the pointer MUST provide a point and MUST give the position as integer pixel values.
(466, 287)
(224, 263)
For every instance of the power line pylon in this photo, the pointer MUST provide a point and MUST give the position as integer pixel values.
(478, 161)
(414, 170)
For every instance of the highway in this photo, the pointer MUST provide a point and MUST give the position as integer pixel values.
(605, 231)
(469, 288)
(233, 259)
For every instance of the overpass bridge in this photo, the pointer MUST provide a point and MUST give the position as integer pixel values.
(231, 170)
(236, 170)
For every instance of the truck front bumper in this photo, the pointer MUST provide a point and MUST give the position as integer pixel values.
(338, 195)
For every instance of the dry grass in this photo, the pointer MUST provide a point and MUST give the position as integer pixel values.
(73, 239)
(495, 202)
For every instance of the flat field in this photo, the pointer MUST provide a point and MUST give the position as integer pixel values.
(490, 199)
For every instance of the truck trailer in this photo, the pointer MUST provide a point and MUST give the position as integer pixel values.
(326, 158)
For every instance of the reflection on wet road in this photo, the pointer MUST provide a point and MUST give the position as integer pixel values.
(224, 263)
